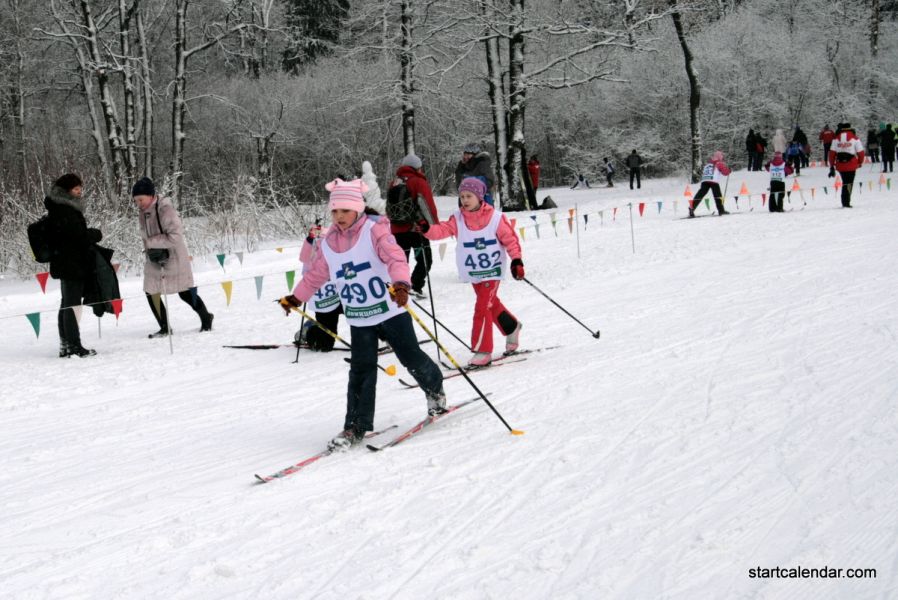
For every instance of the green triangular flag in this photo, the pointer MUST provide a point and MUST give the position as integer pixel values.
(825, 191)
(708, 203)
(889, 183)
(290, 276)
(259, 287)
(220, 258)
(35, 319)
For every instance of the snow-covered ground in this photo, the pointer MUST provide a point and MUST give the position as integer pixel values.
(739, 411)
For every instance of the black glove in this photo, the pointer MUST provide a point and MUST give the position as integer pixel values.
(423, 226)
(94, 235)
(288, 303)
(517, 268)
(832, 171)
(399, 294)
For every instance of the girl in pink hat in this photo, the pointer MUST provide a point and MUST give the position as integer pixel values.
(485, 240)
(361, 258)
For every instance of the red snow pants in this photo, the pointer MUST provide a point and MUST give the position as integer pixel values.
(488, 310)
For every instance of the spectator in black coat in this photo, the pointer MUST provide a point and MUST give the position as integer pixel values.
(74, 259)
(634, 163)
(751, 149)
(887, 143)
(873, 145)
(476, 163)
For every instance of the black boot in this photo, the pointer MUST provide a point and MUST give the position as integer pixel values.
(206, 323)
(161, 333)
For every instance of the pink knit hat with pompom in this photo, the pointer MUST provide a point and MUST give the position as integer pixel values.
(347, 195)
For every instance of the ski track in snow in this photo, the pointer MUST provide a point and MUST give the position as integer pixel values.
(738, 411)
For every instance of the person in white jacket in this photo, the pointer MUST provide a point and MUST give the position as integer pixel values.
(373, 198)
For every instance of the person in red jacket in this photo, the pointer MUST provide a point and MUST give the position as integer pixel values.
(826, 136)
(408, 234)
(846, 156)
(533, 170)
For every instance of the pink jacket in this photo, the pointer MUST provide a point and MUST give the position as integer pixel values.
(384, 245)
(478, 219)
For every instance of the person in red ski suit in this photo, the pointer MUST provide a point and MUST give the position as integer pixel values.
(485, 237)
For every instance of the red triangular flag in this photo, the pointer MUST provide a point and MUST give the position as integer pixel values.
(42, 279)
(641, 208)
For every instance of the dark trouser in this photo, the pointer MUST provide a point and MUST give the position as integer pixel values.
(777, 191)
(412, 240)
(847, 185)
(795, 162)
(321, 340)
(826, 148)
(72, 295)
(635, 173)
(805, 160)
(399, 333)
(190, 297)
(874, 154)
(759, 158)
(751, 160)
(714, 188)
(609, 177)
(888, 160)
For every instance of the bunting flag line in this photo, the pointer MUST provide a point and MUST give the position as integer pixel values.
(838, 183)
(813, 190)
(736, 199)
(707, 203)
(555, 229)
(763, 200)
(259, 279)
(513, 223)
(570, 213)
(659, 207)
(42, 279)
(523, 237)
(795, 186)
(570, 224)
(227, 286)
(614, 214)
(641, 208)
(77, 311)
(586, 219)
(240, 257)
(743, 191)
(442, 249)
(825, 191)
(291, 275)
(688, 192)
(279, 249)
(35, 320)
(221, 259)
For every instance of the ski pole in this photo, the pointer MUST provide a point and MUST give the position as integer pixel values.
(595, 334)
(462, 371)
(301, 325)
(171, 348)
(389, 370)
(440, 323)
(421, 254)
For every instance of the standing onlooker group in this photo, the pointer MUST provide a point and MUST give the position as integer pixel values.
(755, 147)
(476, 163)
(873, 145)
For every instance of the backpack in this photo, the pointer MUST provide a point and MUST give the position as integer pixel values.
(39, 237)
(401, 207)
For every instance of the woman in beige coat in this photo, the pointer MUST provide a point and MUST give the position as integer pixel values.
(167, 267)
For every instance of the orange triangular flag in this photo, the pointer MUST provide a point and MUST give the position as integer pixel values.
(795, 186)
(838, 183)
(688, 192)
(744, 190)
(42, 279)
(882, 178)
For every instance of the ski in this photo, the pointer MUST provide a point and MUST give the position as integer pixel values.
(497, 362)
(430, 420)
(380, 351)
(312, 459)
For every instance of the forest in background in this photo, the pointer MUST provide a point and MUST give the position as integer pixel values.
(242, 109)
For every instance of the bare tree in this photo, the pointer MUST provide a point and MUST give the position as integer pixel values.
(695, 97)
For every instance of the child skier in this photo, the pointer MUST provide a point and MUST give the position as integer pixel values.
(779, 170)
(711, 183)
(484, 238)
(325, 301)
(361, 258)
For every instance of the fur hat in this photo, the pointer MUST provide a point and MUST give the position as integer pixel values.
(472, 148)
(68, 181)
(347, 195)
(412, 161)
(143, 187)
(473, 185)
